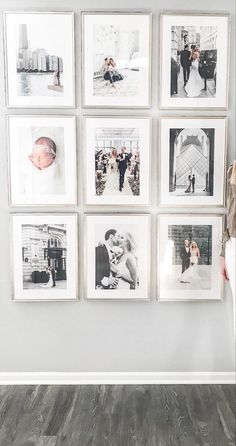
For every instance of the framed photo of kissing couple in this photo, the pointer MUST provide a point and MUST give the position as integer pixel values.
(117, 257)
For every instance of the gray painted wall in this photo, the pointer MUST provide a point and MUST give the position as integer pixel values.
(112, 336)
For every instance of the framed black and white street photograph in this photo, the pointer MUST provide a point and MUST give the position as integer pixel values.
(44, 257)
(117, 256)
(117, 153)
(42, 160)
(188, 257)
(194, 60)
(116, 59)
(192, 167)
(39, 59)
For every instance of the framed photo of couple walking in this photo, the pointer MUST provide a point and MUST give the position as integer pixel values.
(117, 156)
(192, 162)
(116, 59)
(194, 60)
(188, 257)
(44, 257)
(117, 257)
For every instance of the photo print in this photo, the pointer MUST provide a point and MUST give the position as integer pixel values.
(117, 160)
(39, 59)
(194, 67)
(116, 59)
(188, 250)
(44, 256)
(117, 257)
(42, 153)
(194, 162)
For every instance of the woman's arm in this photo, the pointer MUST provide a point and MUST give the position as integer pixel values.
(132, 267)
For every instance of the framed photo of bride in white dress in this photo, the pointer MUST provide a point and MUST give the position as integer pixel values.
(117, 155)
(192, 164)
(117, 257)
(194, 64)
(44, 257)
(188, 257)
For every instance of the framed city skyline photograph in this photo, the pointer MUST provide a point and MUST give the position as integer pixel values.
(42, 160)
(117, 156)
(116, 59)
(194, 60)
(39, 60)
(192, 161)
(117, 257)
(44, 256)
(188, 248)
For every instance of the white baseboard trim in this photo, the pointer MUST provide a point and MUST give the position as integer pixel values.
(85, 378)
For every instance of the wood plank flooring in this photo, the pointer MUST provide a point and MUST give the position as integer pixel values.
(154, 415)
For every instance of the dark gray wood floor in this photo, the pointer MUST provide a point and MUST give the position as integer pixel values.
(181, 415)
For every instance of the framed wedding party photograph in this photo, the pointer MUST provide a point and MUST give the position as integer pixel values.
(42, 160)
(39, 59)
(117, 257)
(192, 161)
(44, 257)
(194, 66)
(188, 250)
(116, 59)
(117, 156)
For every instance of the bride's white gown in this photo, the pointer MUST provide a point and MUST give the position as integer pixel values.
(191, 274)
(195, 83)
(123, 270)
(50, 282)
(112, 183)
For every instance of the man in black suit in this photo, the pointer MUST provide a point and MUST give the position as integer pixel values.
(185, 256)
(122, 160)
(103, 256)
(193, 183)
(185, 61)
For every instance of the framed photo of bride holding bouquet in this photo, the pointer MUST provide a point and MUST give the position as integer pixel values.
(117, 257)
(194, 60)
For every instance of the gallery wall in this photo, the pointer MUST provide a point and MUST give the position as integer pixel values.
(87, 336)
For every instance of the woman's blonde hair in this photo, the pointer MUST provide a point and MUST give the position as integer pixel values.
(130, 242)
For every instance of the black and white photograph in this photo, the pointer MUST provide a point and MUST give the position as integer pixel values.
(117, 160)
(117, 257)
(188, 251)
(116, 59)
(42, 158)
(39, 59)
(44, 256)
(195, 162)
(195, 53)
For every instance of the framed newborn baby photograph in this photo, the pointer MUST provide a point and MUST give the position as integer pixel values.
(44, 257)
(188, 257)
(194, 64)
(39, 59)
(116, 59)
(42, 160)
(117, 154)
(192, 165)
(117, 257)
